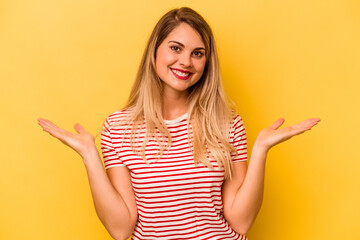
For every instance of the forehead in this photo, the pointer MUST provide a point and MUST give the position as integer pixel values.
(186, 35)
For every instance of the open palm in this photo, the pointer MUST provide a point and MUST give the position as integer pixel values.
(271, 136)
(81, 142)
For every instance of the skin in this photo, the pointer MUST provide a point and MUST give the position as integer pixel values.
(242, 196)
(182, 49)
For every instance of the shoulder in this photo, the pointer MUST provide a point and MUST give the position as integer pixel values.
(237, 120)
(118, 118)
(237, 125)
(119, 115)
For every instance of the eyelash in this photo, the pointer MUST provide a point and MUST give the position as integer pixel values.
(176, 48)
(173, 48)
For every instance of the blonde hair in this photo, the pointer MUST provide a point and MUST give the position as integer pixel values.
(209, 113)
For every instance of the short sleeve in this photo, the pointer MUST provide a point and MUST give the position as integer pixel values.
(238, 139)
(110, 155)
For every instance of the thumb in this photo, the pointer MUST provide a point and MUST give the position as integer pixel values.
(277, 123)
(79, 128)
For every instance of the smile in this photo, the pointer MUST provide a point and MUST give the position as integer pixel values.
(183, 75)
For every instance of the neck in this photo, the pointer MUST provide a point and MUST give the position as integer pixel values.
(174, 104)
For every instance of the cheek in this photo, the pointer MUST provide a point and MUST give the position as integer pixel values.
(164, 58)
(201, 66)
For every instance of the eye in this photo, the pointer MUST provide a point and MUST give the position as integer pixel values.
(175, 48)
(198, 54)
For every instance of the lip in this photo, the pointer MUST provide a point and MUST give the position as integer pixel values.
(180, 70)
(181, 77)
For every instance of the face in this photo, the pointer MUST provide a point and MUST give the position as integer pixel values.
(180, 59)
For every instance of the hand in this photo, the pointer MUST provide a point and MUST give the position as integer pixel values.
(271, 136)
(82, 143)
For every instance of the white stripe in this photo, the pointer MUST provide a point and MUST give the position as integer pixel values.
(173, 195)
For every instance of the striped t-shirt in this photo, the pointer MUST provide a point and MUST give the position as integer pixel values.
(175, 198)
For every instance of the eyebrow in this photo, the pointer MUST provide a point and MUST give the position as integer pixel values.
(199, 48)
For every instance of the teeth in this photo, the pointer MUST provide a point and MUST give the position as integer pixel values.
(180, 73)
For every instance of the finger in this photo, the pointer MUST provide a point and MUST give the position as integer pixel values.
(79, 128)
(46, 123)
(53, 130)
(277, 123)
(42, 121)
(51, 124)
(305, 125)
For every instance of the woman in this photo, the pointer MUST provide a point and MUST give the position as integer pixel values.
(176, 156)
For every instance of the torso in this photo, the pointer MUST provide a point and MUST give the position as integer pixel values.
(175, 198)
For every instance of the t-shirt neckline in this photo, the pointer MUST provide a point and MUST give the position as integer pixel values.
(176, 120)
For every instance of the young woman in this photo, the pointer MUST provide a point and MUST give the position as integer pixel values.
(176, 155)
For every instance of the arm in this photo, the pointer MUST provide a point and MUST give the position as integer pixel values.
(113, 195)
(243, 194)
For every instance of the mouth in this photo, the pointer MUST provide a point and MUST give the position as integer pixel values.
(181, 74)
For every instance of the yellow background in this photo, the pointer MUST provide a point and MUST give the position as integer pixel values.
(75, 61)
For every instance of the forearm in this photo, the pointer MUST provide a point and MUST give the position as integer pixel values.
(248, 199)
(109, 204)
(243, 207)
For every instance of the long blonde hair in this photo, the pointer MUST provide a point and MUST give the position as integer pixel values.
(209, 113)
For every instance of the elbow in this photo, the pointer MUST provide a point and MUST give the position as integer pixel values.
(241, 226)
(120, 226)
(243, 230)
(119, 235)
(121, 232)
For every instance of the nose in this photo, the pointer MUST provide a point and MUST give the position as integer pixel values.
(185, 59)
